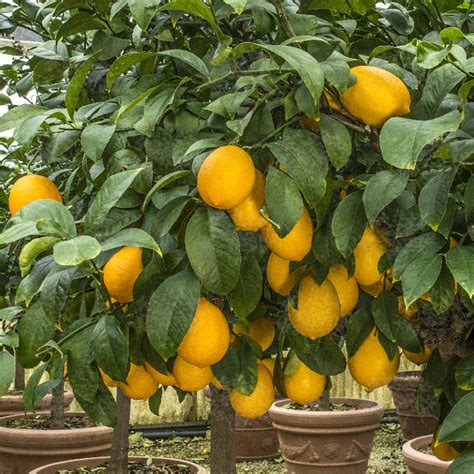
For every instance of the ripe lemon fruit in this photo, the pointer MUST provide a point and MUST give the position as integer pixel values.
(377, 96)
(262, 331)
(216, 383)
(226, 177)
(30, 188)
(269, 364)
(419, 358)
(189, 377)
(443, 451)
(367, 254)
(296, 244)
(246, 216)
(346, 288)
(304, 385)
(410, 312)
(377, 288)
(370, 365)
(259, 401)
(109, 381)
(140, 384)
(279, 278)
(318, 308)
(163, 379)
(121, 273)
(208, 337)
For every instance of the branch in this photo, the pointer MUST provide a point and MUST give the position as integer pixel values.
(285, 23)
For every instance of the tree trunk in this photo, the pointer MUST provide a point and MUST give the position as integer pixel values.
(222, 433)
(57, 406)
(324, 403)
(119, 455)
(19, 377)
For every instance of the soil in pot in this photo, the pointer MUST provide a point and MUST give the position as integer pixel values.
(26, 441)
(333, 442)
(13, 404)
(413, 423)
(419, 459)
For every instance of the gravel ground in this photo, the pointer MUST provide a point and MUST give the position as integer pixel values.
(386, 455)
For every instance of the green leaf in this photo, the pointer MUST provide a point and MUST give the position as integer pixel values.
(75, 251)
(245, 297)
(18, 232)
(30, 285)
(131, 238)
(54, 290)
(465, 373)
(385, 313)
(419, 276)
(143, 11)
(283, 201)
(213, 249)
(463, 464)
(469, 206)
(457, 426)
(348, 223)
(10, 313)
(79, 23)
(188, 58)
(171, 311)
(433, 200)
(124, 63)
(407, 337)
(18, 115)
(30, 396)
(460, 260)
(169, 215)
(359, 327)
(237, 5)
(7, 372)
(103, 410)
(227, 105)
(98, 218)
(302, 155)
(111, 348)
(154, 402)
(430, 55)
(383, 188)
(95, 138)
(337, 140)
(193, 7)
(416, 135)
(443, 292)
(164, 181)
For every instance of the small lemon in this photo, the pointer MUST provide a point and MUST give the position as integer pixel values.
(279, 278)
(304, 385)
(346, 287)
(261, 330)
(189, 377)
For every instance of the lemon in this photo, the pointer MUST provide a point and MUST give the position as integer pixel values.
(370, 365)
(296, 244)
(259, 401)
(109, 381)
(226, 177)
(377, 288)
(443, 451)
(377, 96)
(304, 385)
(419, 358)
(279, 278)
(318, 308)
(208, 337)
(262, 331)
(246, 216)
(189, 377)
(410, 312)
(140, 384)
(162, 379)
(346, 288)
(269, 364)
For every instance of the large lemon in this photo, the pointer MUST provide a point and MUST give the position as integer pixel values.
(296, 244)
(318, 308)
(159, 377)
(261, 330)
(279, 278)
(189, 377)
(140, 384)
(246, 216)
(367, 254)
(121, 273)
(226, 177)
(346, 287)
(376, 96)
(370, 365)
(30, 188)
(208, 337)
(304, 385)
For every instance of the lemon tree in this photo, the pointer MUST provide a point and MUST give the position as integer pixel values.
(251, 194)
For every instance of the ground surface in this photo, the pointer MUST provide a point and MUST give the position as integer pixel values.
(386, 455)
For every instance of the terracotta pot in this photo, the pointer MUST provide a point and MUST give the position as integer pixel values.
(413, 423)
(337, 442)
(22, 450)
(94, 462)
(14, 404)
(420, 463)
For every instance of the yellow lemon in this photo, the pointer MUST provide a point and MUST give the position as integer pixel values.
(410, 312)
(259, 401)
(304, 385)
(346, 287)
(296, 244)
(189, 377)
(140, 384)
(443, 451)
(109, 381)
(377, 96)
(30, 188)
(269, 364)
(208, 338)
(226, 177)
(121, 273)
(370, 365)
(279, 278)
(318, 308)
(162, 379)
(419, 358)
(262, 331)
(377, 288)
(246, 216)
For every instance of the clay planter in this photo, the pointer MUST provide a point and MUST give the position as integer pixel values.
(94, 462)
(403, 390)
(420, 463)
(22, 450)
(14, 404)
(337, 442)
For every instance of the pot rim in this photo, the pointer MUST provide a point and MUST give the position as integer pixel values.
(345, 415)
(200, 469)
(47, 433)
(410, 451)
